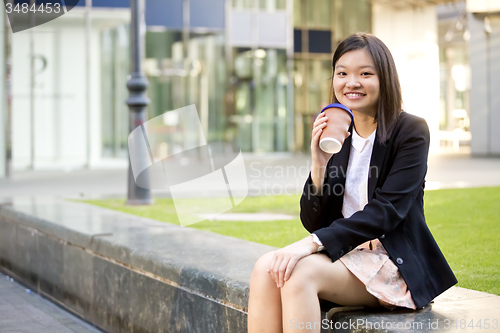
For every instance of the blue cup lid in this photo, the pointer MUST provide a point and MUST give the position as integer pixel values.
(340, 106)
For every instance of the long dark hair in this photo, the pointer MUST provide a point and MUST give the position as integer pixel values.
(390, 100)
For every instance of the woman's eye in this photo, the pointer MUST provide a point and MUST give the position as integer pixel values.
(366, 73)
(341, 73)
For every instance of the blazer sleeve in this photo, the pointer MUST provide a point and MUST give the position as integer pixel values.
(391, 201)
(315, 211)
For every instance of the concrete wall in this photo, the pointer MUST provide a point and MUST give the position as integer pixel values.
(484, 52)
(411, 35)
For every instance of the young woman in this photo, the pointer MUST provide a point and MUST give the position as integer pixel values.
(370, 244)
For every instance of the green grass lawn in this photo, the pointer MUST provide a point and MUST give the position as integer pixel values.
(465, 223)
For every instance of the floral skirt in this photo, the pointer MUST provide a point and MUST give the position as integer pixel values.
(370, 263)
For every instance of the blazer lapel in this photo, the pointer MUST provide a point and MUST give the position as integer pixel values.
(376, 162)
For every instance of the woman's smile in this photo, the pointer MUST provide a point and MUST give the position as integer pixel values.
(354, 95)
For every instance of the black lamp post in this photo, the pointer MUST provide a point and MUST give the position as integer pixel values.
(137, 100)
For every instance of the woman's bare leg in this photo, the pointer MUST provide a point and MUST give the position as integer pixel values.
(264, 304)
(316, 276)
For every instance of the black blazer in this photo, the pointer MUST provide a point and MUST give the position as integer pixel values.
(394, 213)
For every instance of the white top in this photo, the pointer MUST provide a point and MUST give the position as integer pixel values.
(356, 183)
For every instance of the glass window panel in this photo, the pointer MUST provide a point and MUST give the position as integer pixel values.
(114, 69)
(351, 16)
(243, 119)
(264, 78)
(297, 13)
(297, 40)
(241, 122)
(267, 5)
(319, 13)
(272, 5)
(320, 73)
(243, 4)
(310, 13)
(324, 11)
(281, 112)
(176, 81)
(259, 122)
(281, 4)
(107, 90)
(307, 125)
(299, 91)
(320, 41)
(122, 72)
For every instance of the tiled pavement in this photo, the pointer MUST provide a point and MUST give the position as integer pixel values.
(22, 311)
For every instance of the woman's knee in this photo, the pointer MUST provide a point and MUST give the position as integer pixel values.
(260, 268)
(303, 277)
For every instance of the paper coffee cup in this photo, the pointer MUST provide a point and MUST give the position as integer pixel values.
(339, 119)
(330, 145)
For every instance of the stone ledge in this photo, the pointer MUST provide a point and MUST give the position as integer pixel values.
(453, 311)
(130, 274)
(127, 273)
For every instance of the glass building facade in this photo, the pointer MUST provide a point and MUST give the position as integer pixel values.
(242, 88)
(454, 72)
(257, 71)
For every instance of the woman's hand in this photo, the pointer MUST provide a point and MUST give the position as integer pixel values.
(319, 157)
(285, 259)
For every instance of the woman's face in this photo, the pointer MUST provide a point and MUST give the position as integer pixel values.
(356, 83)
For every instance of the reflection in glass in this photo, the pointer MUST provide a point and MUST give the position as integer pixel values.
(272, 5)
(114, 69)
(177, 80)
(243, 4)
(319, 14)
(264, 5)
(320, 73)
(297, 13)
(454, 87)
(260, 103)
(351, 16)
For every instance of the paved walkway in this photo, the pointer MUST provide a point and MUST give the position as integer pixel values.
(24, 312)
(268, 174)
